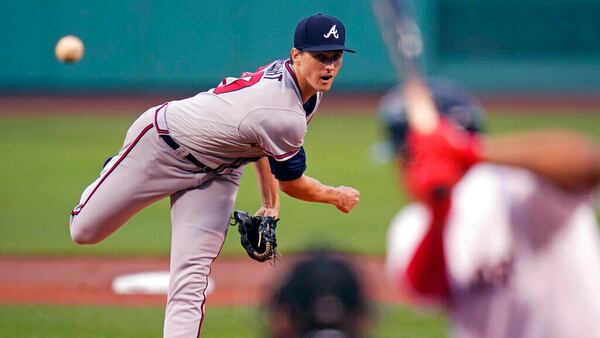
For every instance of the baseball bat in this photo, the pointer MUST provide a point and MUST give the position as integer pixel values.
(404, 43)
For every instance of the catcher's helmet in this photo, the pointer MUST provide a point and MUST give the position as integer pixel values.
(322, 294)
(451, 99)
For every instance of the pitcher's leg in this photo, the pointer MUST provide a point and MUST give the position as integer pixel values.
(200, 218)
(113, 198)
(145, 170)
(110, 204)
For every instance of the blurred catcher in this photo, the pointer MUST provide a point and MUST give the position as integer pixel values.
(321, 297)
(502, 232)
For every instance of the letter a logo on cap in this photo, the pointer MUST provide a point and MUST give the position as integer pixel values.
(333, 31)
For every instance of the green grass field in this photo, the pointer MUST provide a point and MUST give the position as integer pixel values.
(49, 160)
(221, 322)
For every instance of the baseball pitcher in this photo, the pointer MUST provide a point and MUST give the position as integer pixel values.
(193, 150)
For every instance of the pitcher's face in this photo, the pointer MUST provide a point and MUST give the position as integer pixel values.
(316, 70)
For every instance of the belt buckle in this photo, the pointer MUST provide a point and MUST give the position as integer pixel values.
(225, 171)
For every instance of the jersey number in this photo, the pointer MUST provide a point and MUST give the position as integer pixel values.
(240, 83)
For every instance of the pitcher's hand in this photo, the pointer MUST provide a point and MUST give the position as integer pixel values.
(348, 199)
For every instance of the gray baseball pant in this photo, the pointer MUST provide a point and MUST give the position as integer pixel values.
(146, 170)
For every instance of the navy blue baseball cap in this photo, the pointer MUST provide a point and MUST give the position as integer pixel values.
(320, 33)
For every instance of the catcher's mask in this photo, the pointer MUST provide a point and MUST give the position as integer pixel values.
(320, 293)
(451, 100)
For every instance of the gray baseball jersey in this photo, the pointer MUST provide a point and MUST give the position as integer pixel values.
(257, 114)
(191, 151)
(523, 256)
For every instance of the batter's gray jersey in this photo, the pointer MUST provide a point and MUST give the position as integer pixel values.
(243, 118)
(523, 256)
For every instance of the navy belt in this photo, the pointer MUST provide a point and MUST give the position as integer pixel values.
(171, 142)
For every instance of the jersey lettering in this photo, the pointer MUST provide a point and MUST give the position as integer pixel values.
(275, 72)
(241, 83)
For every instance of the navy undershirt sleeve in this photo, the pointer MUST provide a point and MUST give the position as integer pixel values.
(290, 169)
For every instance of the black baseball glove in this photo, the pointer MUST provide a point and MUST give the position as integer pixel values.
(257, 235)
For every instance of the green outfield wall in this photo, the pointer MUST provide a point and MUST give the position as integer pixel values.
(138, 46)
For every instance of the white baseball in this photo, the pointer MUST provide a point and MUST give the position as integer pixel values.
(69, 49)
